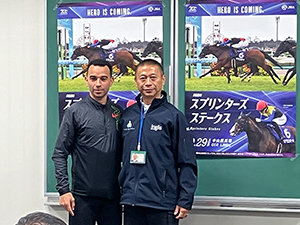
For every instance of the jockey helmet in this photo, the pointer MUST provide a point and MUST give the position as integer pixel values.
(111, 40)
(242, 39)
(95, 41)
(261, 105)
(225, 39)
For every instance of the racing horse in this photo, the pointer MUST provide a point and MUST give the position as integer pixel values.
(290, 47)
(252, 56)
(154, 46)
(260, 138)
(122, 58)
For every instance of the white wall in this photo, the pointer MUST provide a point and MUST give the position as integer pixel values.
(22, 122)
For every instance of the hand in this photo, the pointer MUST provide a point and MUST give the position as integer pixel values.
(217, 45)
(257, 120)
(68, 202)
(180, 212)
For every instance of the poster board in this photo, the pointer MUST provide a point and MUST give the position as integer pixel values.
(62, 40)
(250, 177)
(259, 178)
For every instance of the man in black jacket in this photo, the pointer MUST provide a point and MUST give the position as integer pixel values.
(88, 133)
(159, 174)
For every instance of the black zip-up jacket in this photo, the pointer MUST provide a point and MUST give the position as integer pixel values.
(169, 176)
(88, 133)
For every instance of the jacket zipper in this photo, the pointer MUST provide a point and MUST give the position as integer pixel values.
(104, 122)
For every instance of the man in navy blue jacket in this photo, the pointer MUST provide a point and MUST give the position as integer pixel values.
(159, 174)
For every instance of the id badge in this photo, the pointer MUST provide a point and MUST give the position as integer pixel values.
(138, 157)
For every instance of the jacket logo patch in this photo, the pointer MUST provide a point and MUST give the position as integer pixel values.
(129, 126)
(116, 115)
(155, 127)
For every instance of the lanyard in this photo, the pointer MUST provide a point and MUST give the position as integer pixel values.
(141, 127)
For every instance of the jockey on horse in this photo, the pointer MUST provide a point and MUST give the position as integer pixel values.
(272, 115)
(105, 45)
(235, 44)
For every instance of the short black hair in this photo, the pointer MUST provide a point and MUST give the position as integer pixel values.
(148, 62)
(100, 62)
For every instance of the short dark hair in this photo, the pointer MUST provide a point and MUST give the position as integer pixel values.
(149, 62)
(100, 62)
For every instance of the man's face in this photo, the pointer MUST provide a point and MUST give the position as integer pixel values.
(99, 81)
(149, 81)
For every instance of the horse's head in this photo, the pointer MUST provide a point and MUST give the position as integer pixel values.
(291, 43)
(239, 125)
(285, 46)
(153, 46)
(205, 51)
(77, 52)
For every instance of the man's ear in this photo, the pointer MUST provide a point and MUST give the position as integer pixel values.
(164, 78)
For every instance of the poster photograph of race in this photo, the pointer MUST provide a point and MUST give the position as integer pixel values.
(241, 83)
(122, 33)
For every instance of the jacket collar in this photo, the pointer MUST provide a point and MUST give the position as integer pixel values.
(97, 104)
(155, 103)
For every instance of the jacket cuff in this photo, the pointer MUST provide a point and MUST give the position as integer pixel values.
(63, 191)
(184, 205)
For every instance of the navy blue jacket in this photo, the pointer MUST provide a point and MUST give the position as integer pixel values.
(88, 133)
(169, 177)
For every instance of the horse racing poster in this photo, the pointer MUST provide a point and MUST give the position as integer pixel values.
(240, 56)
(130, 26)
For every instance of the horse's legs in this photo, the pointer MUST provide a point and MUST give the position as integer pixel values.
(253, 70)
(235, 71)
(275, 74)
(293, 70)
(268, 69)
(271, 75)
(216, 67)
(123, 70)
(77, 75)
(227, 75)
(203, 75)
(249, 75)
(286, 76)
(228, 79)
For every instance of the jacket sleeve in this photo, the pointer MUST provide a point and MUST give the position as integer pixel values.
(62, 149)
(186, 162)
